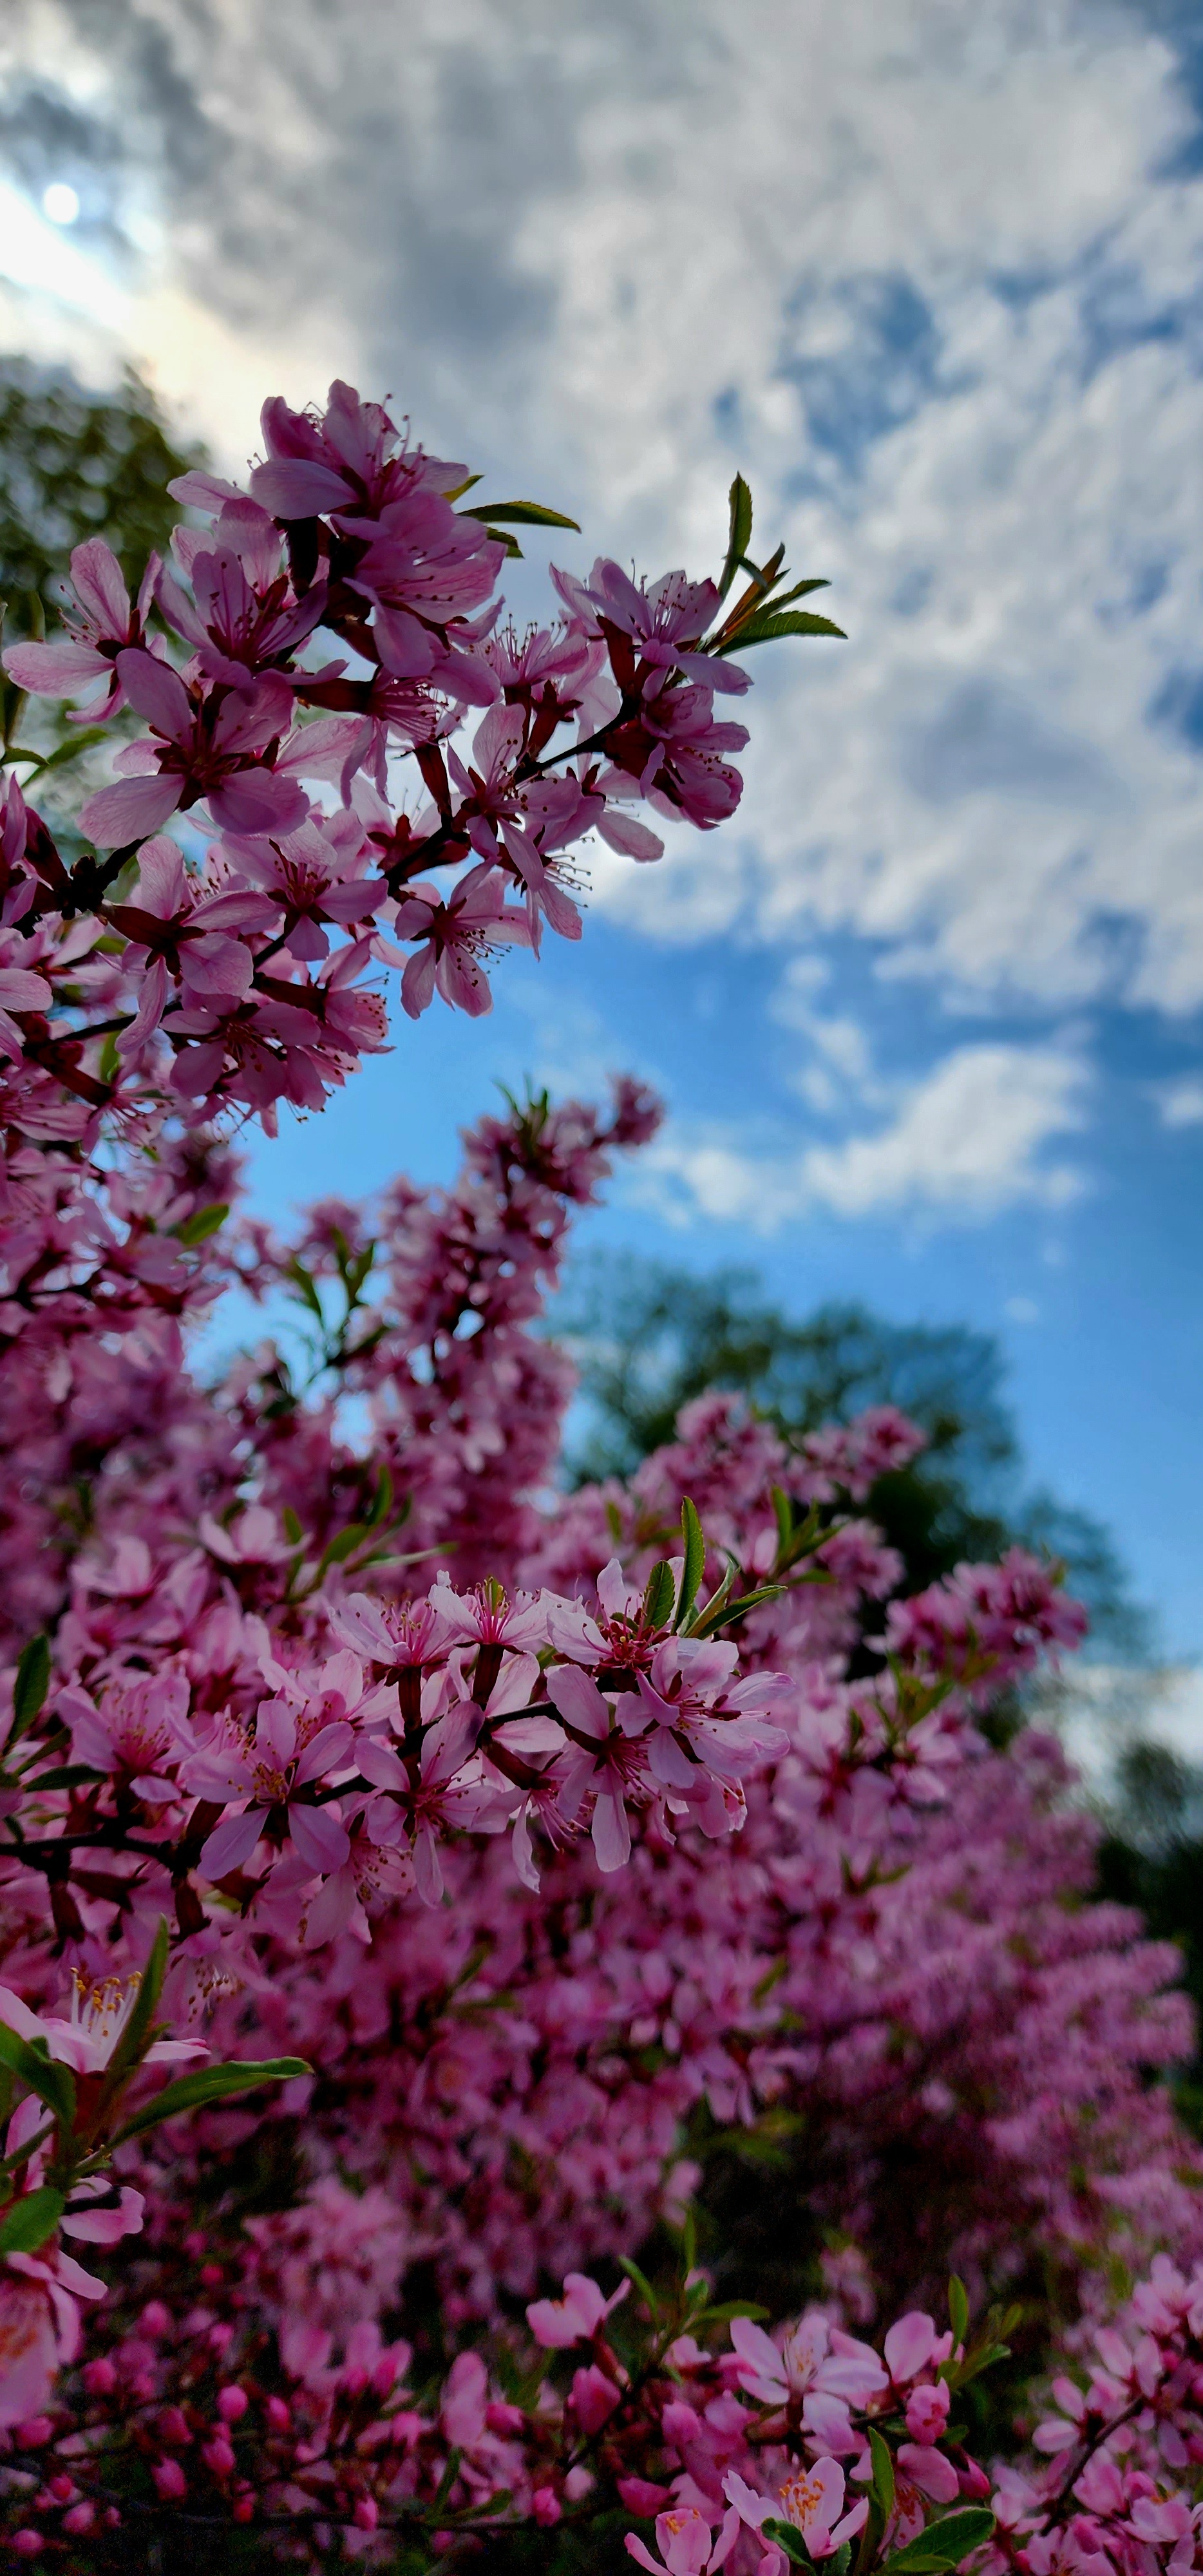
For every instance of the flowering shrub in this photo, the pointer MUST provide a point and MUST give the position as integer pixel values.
(505, 1872)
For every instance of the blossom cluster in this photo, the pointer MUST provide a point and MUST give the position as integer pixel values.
(243, 980)
(636, 2408)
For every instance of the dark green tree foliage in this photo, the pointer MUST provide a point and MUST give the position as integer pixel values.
(75, 463)
(1153, 1858)
(649, 1338)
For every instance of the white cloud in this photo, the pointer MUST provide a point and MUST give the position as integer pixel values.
(1181, 1104)
(965, 1142)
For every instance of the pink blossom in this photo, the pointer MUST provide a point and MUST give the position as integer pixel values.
(576, 2317)
(687, 2544)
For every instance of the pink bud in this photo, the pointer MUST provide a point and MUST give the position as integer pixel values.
(100, 2378)
(81, 2517)
(27, 2543)
(640, 2496)
(218, 2456)
(172, 2425)
(501, 2418)
(111, 2518)
(212, 2275)
(243, 2507)
(353, 2381)
(155, 2319)
(546, 2507)
(927, 2411)
(594, 2397)
(366, 2515)
(679, 2423)
(31, 2435)
(219, 2337)
(62, 2488)
(232, 2404)
(279, 2415)
(170, 2480)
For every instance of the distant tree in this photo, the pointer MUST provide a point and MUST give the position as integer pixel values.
(1153, 1858)
(75, 463)
(649, 1338)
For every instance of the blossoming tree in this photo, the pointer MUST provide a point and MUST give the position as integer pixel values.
(498, 1873)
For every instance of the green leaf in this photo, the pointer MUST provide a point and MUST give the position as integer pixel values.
(202, 1223)
(749, 1601)
(642, 2284)
(728, 2308)
(30, 1686)
(958, 2309)
(211, 2084)
(522, 514)
(694, 1565)
(136, 2037)
(342, 1545)
(658, 1594)
(293, 1527)
(382, 1500)
(883, 2472)
(68, 1776)
(711, 1611)
(797, 590)
(70, 750)
(28, 2222)
(943, 2544)
(31, 2060)
(303, 1282)
(788, 2539)
(783, 1514)
(740, 535)
(765, 627)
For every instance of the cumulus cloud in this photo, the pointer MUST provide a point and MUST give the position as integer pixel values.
(964, 1143)
(1181, 1103)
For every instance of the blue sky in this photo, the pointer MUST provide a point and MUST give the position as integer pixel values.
(928, 1015)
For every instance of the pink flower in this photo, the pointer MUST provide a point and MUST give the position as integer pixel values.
(928, 2469)
(687, 2544)
(594, 2398)
(98, 2016)
(556, 2323)
(268, 1772)
(813, 2356)
(686, 1697)
(927, 2411)
(665, 621)
(811, 2499)
(39, 2327)
(602, 1761)
(245, 618)
(204, 745)
(100, 625)
(910, 2346)
(456, 932)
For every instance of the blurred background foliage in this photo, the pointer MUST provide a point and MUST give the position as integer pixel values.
(75, 464)
(649, 1338)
